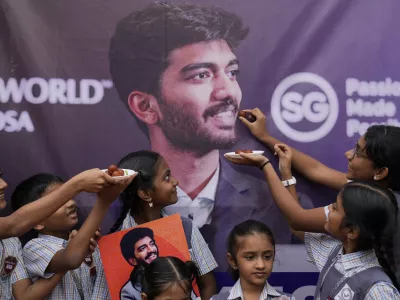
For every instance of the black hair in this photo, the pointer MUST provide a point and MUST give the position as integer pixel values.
(383, 148)
(30, 190)
(163, 272)
(142, 42)
(246, 228)
(146, 164)
(131, 237)
(373, 211)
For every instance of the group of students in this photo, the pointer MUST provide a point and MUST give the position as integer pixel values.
(354, 242)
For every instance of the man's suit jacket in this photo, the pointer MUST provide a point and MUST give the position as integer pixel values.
(241, 197)
(128, 292)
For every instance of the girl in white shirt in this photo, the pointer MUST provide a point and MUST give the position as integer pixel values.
(251, 254)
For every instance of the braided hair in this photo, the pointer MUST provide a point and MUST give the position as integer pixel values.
(164, 272)
(373, 211)
(146, 164)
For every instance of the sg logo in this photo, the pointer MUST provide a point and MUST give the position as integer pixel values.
(293, 102)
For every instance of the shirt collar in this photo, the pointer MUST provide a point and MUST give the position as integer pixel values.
(237, 293)
(358, 259)
(53, 239)
(129, 221)
(209, 191)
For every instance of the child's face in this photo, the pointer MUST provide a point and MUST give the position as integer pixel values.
(335, 218)
(254, 258)
(164, 192)
(64, 219)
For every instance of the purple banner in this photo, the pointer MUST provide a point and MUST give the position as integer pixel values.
(76, 92)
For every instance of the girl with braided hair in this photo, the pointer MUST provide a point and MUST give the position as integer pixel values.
(144, 200)
(353, 247)
(168, 278)
(375, 157)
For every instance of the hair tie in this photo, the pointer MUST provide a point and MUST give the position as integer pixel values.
(144, 175)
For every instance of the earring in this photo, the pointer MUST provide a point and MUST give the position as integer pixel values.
(151, 204)
(375, 177)
(233, 267)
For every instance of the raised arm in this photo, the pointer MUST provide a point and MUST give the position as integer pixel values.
(28, 216)
(285, 160)
(25, 289)
(307, 166)
(285, 166)
(207, 285)
(299, 219)
(77, 249)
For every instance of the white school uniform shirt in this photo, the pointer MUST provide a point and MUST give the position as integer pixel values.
(37, 255)
(11, 247)
(199, 210)
(268, 293)
(319, 247)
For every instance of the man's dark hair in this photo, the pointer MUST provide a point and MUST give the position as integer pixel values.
(129, 240)
(143, 40)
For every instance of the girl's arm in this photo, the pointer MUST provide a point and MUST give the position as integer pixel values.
(72, 256)
(25, 289)
(299, 219)
(28, 216)
(207, 286)
(307, 166)
(41, 288)
(312, 220)
(285, 158)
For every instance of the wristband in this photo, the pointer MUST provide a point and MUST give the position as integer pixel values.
(264, 164)
(291, 181)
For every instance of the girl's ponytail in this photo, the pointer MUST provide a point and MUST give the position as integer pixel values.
(125, 209)
(384, 253)
(129, 196)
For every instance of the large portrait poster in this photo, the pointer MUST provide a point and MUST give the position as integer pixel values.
(123, 251)
(84, 83)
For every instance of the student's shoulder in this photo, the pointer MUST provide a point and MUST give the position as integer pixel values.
(33, 242)
(44, 242)
(383, 289)
(12, 242)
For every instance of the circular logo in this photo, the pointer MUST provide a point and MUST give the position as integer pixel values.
(304, 99)
(346, 294)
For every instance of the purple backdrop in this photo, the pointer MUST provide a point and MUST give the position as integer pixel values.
(324, 69)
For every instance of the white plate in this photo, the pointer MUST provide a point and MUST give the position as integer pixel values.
(234, 155)
(126, 171)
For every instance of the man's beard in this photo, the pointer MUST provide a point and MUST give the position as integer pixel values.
(182, 128)
(138, 272)
(143, 261)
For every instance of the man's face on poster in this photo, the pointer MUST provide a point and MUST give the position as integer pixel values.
(200, 96)
(146, 251)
